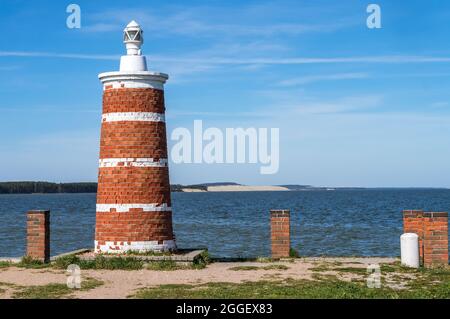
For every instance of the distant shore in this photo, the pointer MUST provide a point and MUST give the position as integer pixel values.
(30, 187)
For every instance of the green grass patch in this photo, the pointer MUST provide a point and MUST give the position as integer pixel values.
(268, 267)
(164, 265)
(100, 262)
(54, 290)
(353, 270)
(202, 260)
(328, 287)
(261, 289)
(128, 263)
(321, 268)
(5, 264)
(418, 284)
(30, 263)
(293, 253)
(244, 268)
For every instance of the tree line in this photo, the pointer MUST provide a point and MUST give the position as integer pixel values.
(47, 187)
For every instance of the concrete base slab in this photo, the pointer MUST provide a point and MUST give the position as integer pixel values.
(180, 257)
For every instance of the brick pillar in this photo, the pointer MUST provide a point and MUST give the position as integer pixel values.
(133, 199)
(435, 239)
(280, 233)
(413, 223)
(38, 234)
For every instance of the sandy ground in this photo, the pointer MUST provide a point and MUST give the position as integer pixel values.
(244, 188)
(122, 283)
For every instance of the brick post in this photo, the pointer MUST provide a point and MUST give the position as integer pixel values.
(38, 234)
(435, 239)
(280, 233)
(413, 223)
(134, 210)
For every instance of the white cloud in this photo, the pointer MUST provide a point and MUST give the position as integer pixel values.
(217, 60)
(201, 22)
(322, 77)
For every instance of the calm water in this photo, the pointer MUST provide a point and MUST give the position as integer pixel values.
(334, 223)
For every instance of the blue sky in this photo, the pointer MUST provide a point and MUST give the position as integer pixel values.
(355, 107)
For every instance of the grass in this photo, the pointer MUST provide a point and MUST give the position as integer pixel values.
(293, 253)
(419, 284)
(353, 270)
(328, 287)
(268, 267)
(5, 264)
(261, 289)
(54, 290)
(202, 260)
(100, 262)
(164, 265)
(29, 262)
(128, 263)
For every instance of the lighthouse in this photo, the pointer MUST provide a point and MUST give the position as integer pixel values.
(133, 211)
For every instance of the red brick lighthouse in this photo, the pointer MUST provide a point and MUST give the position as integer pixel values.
(133, 198)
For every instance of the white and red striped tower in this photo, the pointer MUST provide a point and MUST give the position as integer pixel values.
(133, 198)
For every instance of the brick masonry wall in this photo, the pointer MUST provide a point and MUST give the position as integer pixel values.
(133, 226)
(435, 239)
(133, 100)
(133, 139)
(127, 185)
(38, 235)
(432, 229)
(280, 233)
(413, 223)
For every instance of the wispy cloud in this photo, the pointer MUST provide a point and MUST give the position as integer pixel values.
(200, 22)
(322, 77)
(395, 59)
(440, 104)
(344, 105)
(33, 54)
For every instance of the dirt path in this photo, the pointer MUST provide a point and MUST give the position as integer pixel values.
(122, 283)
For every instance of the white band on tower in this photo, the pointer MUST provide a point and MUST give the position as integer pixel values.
(125, 208)
(133, 162)
(133, 116)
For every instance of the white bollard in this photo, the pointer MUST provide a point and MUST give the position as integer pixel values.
(409, 246)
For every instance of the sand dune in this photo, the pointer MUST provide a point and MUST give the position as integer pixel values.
(244, 188)
(192, 190)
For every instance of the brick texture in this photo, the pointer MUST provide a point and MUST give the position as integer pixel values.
(435, 239)
(280, 233)
(432, 229)
(133, 226)
(128, 185)
(133, 100)
(133, 185)
(38, 235)
(133, 139)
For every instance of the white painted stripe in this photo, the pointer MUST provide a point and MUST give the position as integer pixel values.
(133, 85)
(133, 116)
(132, 162)
(140, 246)
(133, 79)
(125, 208)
